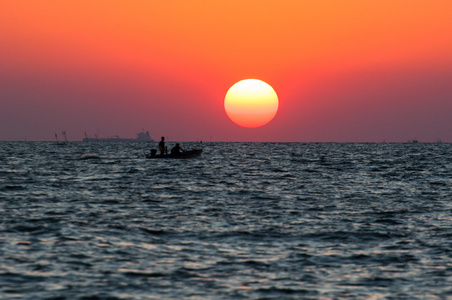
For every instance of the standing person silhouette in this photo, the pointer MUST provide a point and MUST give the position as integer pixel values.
(162, 146)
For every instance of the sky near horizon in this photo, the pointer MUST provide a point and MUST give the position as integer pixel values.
(344, 71)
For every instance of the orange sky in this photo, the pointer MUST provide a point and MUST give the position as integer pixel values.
(343, 70)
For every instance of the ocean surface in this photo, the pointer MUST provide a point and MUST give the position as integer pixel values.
(243, 221)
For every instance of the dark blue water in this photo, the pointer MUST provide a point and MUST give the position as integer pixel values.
(244, 221)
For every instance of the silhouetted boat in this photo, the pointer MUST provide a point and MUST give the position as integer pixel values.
(182, 155)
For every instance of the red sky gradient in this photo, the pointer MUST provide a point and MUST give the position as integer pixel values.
(344, 71)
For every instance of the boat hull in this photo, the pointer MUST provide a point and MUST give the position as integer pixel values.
(182, 155)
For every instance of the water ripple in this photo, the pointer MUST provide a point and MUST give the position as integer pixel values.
(246, 220)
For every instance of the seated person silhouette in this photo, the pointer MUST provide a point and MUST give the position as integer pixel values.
(176, 150)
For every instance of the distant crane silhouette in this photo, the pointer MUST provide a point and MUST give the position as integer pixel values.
(64, 134)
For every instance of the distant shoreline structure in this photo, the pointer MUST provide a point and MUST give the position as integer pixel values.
(141, 137)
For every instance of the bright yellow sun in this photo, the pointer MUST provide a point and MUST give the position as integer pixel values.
(251, 103)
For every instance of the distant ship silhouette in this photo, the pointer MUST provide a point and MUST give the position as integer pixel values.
(141, 137)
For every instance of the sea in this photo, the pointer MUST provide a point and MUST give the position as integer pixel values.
(82, 220)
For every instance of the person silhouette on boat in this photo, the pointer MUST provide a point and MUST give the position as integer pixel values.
(176, 150)
(162, 146)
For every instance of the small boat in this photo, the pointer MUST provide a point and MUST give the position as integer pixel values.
(184, 154)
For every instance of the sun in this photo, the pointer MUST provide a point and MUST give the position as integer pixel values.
(251, 103)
